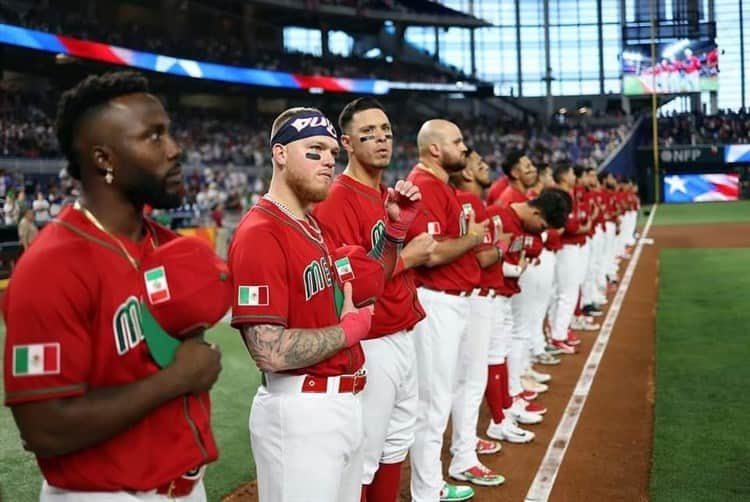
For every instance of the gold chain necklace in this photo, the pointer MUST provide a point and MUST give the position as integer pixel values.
(93, 219)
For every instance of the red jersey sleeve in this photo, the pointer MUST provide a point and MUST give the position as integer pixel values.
(258, 264)
(48, 349)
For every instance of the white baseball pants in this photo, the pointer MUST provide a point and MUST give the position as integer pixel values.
(389, 401)
(437, 340)
(307, 446)
(500, 335)
(471, 380)
(569, 271)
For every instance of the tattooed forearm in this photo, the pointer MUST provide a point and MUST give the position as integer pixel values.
(275, 348)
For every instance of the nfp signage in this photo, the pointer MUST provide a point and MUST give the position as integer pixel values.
(691, 155)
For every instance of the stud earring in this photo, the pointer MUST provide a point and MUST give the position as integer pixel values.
(109, 177)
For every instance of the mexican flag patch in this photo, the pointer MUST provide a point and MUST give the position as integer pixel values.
(157, 287)
(253, 296)
(344, 269)
(36, 359)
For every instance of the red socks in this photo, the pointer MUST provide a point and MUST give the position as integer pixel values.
(497, 384)
(385, 486)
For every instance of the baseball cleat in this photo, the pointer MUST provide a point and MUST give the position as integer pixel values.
(538, 376)
(455, 493)
(528, 383)
(509, 431)
(519, 414)
(563, 347)
(487, 447)
(528, 395)
(573, 340)
(546, 359)
(479, 475)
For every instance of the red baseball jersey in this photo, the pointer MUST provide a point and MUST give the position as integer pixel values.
(496, 189)
(598, 199)
(575, 219)
(520, 241)
(73, 325)
(510, 195)
(492, 276)
(442, 217)
(589, 202)
(354, 213)
(553, 242)
(282, 271)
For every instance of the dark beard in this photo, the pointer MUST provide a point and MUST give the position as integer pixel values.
(454, 166)
(148, 189)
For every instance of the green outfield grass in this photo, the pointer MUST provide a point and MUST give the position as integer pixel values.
(701, 451)
(20, 479)
(699, 213)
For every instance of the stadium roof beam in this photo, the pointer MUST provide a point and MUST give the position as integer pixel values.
(345, 13)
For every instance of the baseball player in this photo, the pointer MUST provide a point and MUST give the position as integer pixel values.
(569, 268)
(492, 295)
(104, 419)
(692, 67)
(544, 275)
(523, 220)
(446, 280)
(306, 418)
(591, 296)
(472, 364)
(587, 211)
(522, 175)
(496, 189)
(355, 213)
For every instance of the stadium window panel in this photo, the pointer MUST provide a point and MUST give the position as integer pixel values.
(727, 38)
(422, 37)
(455, 48)
(612, 85)
(611, 50)
(567, 88)
(630, 11)
(610, 11)
(589, 55)
(340, 43)
(304, 40)
(533, 88)
(590, 86)
(532, 13)
(532, 53)
(563, 12)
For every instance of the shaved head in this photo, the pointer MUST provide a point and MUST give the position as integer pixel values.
(441, 142)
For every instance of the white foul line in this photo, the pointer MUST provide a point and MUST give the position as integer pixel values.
(545, 478)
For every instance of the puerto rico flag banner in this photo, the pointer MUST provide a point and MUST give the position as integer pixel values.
(701, 187)
(253, 296)
(344, 269)
(157, 287)
(36, 359)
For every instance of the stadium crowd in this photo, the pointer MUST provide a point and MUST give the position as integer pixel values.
(698, 129)
(223, 47)
(227, 162)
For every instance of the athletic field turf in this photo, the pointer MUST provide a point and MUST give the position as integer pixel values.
(701, 424)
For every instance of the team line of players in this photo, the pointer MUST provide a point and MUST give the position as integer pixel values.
(460, 318)
(374, 313)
